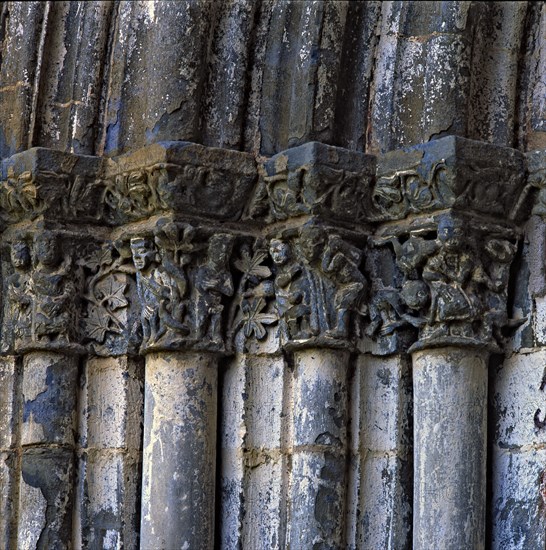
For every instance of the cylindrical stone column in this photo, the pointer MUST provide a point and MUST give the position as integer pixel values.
(179, 458)
(381, 473)
(317, 491)
(9, 455)
(450, 438)
(110, 457)
(49, 391)
(253, 456)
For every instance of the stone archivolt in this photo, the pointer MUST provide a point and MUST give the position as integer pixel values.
(208, 250)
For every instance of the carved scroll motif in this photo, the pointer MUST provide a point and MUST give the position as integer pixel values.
(188, 188)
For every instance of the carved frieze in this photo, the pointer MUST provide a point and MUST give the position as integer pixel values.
(188, 270)
(314, 179)
(448, 173)
(178, 177)
(53, 184)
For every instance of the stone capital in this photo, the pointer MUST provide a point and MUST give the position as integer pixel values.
(307, 284)
(441, 281)
(42, 279)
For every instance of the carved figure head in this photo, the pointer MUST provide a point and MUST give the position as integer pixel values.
(138, 188)
(312, 242)
(46, 248)
(143, 251)
(451, 233)
(415, 294)
(279, 251)
(20, 255)
(219, 250)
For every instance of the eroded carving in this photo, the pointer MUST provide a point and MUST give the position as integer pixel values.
(43, 297)
(453, 286)
(311, 284)
(183, 282)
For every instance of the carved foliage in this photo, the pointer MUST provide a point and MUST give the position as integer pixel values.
(108, 322)
(330, 192)
(311, 284)
(51, 183)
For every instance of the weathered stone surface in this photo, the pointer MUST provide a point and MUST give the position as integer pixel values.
(46, 498)
(517, 512)
(57, 185)
(110, 461)
(239, 79)
(179, 454)
(318, 179)
(380, 496)
(49, 399)
(450, 437)
(319, 439)
(9, 477)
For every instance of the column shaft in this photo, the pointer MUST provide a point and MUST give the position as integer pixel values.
(47, 438)
(179, 458)
(9, 455)
(317, 491)
(450, 438)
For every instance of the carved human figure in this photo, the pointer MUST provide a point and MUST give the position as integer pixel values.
(139, 192)
(291, 295)
(213, 281)
(18, 286)
(340, 262)
(53, 290)
(449, 273)
(158, 291)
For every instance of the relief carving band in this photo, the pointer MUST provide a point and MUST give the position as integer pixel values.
(313, 289)
(178, 177)
(43, 298)
(314, 179)
(453, 287)
(182, 284)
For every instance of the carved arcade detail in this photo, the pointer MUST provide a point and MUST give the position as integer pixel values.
(308, 265)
